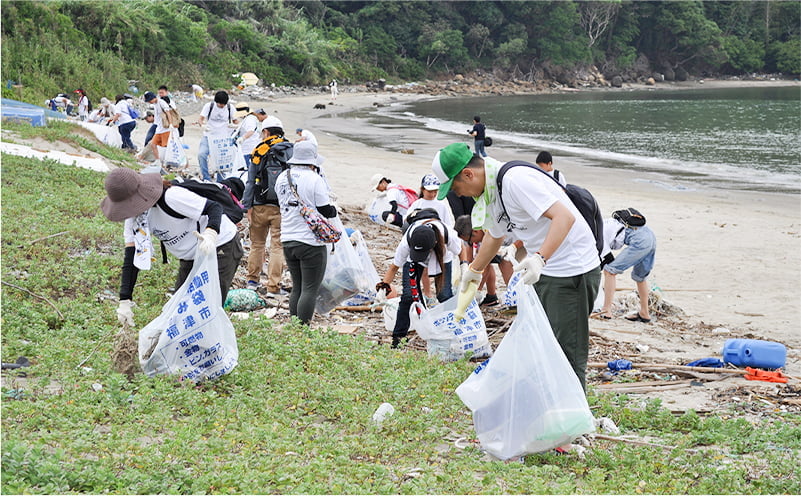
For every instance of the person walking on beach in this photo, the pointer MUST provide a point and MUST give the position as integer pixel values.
(334, 89)
(162, 105)
(136, 200)
(627, 228)
(126, 124)
(218, 114)
(478, 134)
(427, 245)
(305, 256)
(545, 162)
(562, 260)
(268, 160)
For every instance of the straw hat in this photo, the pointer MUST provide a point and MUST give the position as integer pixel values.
(129, 193)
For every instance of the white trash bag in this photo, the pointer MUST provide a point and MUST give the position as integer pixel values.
(367, 296)
(509, 298)
(192, 337)
(344, 276)
(379, 205)
(445, 337)
(175, 156)
(526, 398)
(224, 156)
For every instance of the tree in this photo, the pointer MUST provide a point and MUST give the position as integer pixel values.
(596, 17)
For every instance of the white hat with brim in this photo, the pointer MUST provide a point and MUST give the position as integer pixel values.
(130, 193)
(376, 180)
(304, 153)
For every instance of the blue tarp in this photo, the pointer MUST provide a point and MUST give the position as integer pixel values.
(27, 112)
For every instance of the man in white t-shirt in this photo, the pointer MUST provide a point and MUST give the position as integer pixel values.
(218, 114)
(545, 162)
(305, 135)
(162, 104)
(563, 260)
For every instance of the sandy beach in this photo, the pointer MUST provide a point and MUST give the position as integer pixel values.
(731, 260)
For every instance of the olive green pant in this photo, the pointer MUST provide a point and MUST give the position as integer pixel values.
(568, 302)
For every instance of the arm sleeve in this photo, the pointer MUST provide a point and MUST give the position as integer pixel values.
(129, 274)
(215, 212)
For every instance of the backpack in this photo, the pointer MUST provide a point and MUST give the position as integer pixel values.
(270, 165)
(582, 199)
(131, 111)
(411, 195)
(419, 214)
(218, 192)
(211, 107)
(629, 217)
(88, 104)
(423, 221)
(171, 117)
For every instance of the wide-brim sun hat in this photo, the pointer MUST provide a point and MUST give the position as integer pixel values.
(129, 193)
(448, 163)
(242, 109)
(304, 153)
(376, 179)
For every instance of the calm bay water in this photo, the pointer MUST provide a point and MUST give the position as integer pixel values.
(743, 138)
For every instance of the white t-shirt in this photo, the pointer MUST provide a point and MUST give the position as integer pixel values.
(83, 105)
(308, 136)
(562, 180)
(250, 123)
(123, 108)
(159, 109)
(314, 193)
(614, 235)
(453, 248)
(176, 234)
(442, 207)
(197, 90)
(395, 193)
(217, 121)
(527, 194)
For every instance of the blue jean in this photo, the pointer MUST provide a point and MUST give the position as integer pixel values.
(480, 147)
(125, 132)
(639, 253)
(203, 160)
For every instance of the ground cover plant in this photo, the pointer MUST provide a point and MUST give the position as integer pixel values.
(295, 415)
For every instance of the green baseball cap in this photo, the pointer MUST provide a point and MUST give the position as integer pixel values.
(448, 163)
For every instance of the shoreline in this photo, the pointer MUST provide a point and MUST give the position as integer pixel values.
(728, 258)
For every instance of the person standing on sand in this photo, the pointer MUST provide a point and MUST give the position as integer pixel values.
(478, 133)
(218, 114)
(545, 162)
(83, 105)
(563, 260)
(627, 228)
(334, 89)
(125, 123)
(161, 107)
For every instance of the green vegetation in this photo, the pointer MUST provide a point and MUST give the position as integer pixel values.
(99, 45)
(294, 416)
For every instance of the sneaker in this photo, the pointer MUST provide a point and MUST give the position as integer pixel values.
(490, 301)
(276, 293)
(253, 285)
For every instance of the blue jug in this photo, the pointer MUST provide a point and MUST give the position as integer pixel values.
(754, 353)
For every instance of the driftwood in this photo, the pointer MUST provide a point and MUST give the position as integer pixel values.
(638, 443)
(670, 367)
(35, 296)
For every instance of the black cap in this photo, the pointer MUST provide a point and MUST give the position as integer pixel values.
(421, 241)
(149, 95)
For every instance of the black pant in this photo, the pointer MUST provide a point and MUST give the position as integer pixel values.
(306, 265)
(228, 257)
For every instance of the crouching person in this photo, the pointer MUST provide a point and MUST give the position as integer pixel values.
(182, 220)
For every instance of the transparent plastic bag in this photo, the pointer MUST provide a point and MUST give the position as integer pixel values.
(175, 155)
(192, 337)
(526, 398)
(445, 337)
(363, 253)
(344, 275)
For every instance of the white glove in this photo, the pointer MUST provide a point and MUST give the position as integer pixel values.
(530, 268)
(456, 274)
(469, 275)
(509, 253)
(207, 242)
(239, 141)
(125, 312)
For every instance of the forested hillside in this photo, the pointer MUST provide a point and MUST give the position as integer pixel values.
(99, 45)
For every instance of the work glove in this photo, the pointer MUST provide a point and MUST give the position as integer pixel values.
(468, 287)
(207, 242)
(531, 268)
(509, 253)
(238, 141)
(125, 313)
(456, 274)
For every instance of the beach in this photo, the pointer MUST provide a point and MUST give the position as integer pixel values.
(731, 260)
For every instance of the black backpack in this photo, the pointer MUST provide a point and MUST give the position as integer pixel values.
(270, 165)
(629, 217)
(581, 198)
(219, 192)
(418, 214)
(88, 104)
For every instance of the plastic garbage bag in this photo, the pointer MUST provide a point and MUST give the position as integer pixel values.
(243, 300)
(175, 156)
(112, 137)
(379, 205)
(363, 253)
(448, 338)
(192, 337)
(344, 274)
(509, 298)
(526, 398)
(224, 156)
(390, 312)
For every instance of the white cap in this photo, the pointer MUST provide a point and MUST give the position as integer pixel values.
(376, 180)
(430, 182)
(271, 121)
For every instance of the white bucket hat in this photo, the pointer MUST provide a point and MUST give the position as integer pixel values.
(304, 153)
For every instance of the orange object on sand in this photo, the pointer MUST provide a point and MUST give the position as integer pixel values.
(764, 375)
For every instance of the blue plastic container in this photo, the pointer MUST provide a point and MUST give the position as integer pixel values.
(754, 353)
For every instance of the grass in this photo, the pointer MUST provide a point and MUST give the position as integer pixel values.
(295, 415)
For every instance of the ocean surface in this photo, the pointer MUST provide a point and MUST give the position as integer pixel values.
(732, 138)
